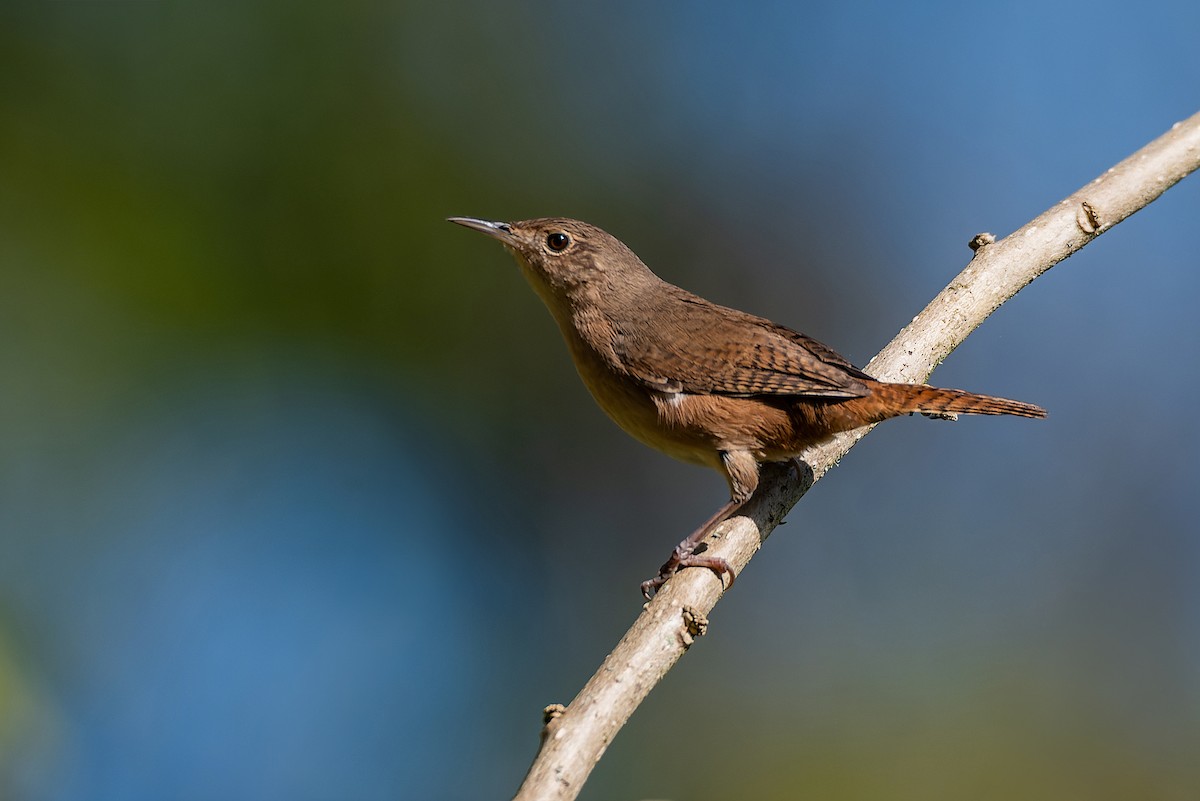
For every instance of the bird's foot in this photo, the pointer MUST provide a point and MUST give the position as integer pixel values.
(684, 557)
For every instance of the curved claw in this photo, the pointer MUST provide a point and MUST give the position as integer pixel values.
(676, 563)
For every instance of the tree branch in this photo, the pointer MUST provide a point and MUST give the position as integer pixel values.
(575, 738)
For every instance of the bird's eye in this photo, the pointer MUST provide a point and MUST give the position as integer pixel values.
(558, 241)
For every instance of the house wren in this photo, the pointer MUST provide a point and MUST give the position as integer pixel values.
(703, 383)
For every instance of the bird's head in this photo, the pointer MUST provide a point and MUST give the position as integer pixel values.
(566, 259)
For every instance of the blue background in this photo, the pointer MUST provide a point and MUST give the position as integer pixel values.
(300, 497)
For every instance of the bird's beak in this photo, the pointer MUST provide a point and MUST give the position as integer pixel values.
(499, 230)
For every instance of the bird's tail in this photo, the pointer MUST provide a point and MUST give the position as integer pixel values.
(906, 398)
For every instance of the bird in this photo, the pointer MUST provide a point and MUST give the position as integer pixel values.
(701, 382)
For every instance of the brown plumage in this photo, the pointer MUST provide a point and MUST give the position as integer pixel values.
(701, 382)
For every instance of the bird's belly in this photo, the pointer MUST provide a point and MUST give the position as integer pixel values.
(645, 416)
(697, 428)
(641, 416)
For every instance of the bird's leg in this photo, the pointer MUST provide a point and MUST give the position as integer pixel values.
(684, 554)
(741, 470)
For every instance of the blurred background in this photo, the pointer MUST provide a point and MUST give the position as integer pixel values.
(300, 497)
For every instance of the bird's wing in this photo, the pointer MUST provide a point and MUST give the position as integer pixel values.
(701, 348)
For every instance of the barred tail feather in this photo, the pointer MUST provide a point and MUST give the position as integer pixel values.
(905, 398)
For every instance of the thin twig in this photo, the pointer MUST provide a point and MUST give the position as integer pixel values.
(575, 739)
